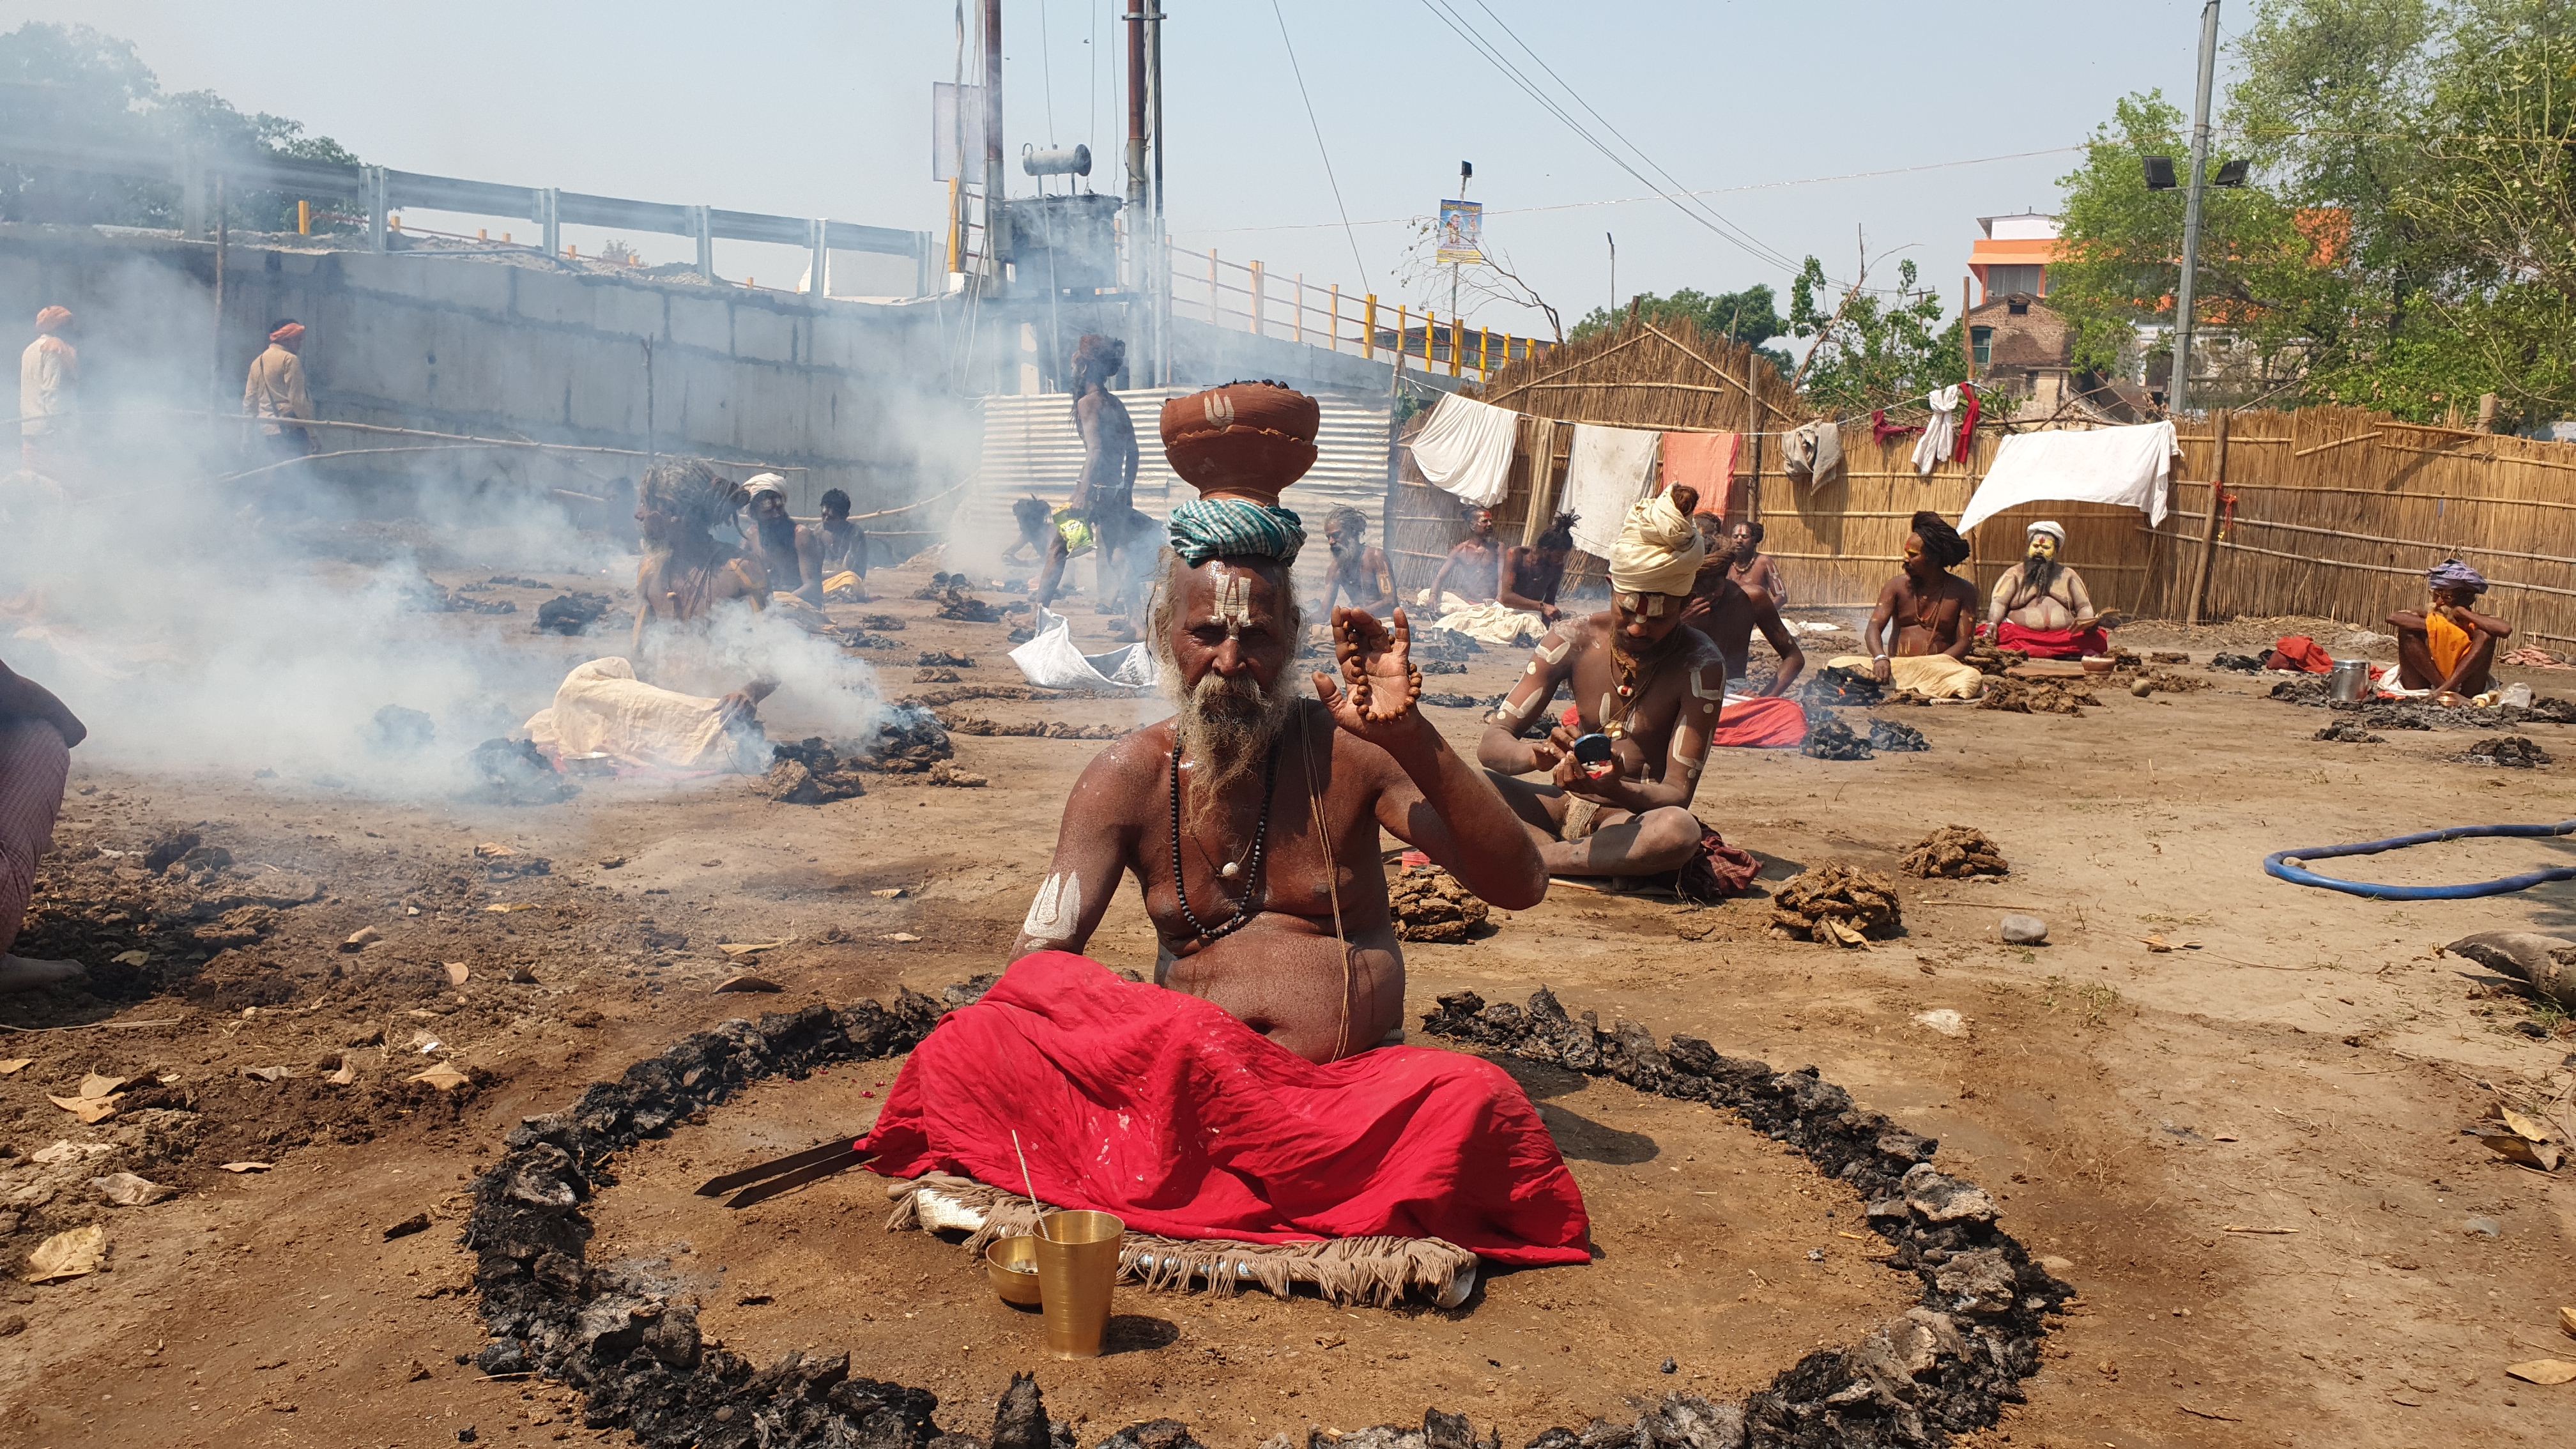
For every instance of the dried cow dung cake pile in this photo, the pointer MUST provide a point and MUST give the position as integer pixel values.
(1993, 661)
(1430, 905)
(2236, 663)
(976, 724)
(1836, 685)
(2166, 680)
(1828, 738)
(2513, 752)
(1836, 905)
(2167, 656)
(812, 773)
(2346, 732)
(2046, 696)
(1955, 850)
(1887, 734)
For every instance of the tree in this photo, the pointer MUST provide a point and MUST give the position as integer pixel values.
(1750, 317)
(72, 84)
(1874, 348)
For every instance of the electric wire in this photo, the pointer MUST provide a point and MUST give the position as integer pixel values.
(1320, 149)
(1743, 241)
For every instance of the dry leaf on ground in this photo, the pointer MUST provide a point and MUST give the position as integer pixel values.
(95, 1085)
(2543, 1371)
(457, 972)
(15, 1065)
(750, 983)
(248, 1166)
(74, 1254)
(88, 1109)
(444, 1077)
(741, 949)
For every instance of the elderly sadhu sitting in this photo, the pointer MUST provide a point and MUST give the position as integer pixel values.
(1246, 1094)
(2449, 648)
(2040, 606)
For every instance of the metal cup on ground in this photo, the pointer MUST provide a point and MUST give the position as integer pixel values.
(1077, 1255)
(1012, 1264)
(2350, 681)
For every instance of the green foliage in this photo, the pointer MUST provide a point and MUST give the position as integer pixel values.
(70, 83)
(1750, 317)
(1885, 348)
(2409, 240)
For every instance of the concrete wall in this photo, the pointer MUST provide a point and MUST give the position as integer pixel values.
(853, 392)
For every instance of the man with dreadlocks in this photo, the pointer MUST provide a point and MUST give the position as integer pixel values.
(1640, 679)
(1102, 510)
(2040, 606)
(1358, 571)
(1247, 1096)
(1924, 621)
(2448, 647)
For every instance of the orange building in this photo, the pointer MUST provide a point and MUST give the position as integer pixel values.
(2014, 255)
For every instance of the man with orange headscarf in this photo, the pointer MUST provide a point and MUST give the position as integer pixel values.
(48, 379)
(275, 393)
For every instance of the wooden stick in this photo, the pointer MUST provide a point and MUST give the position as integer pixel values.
(2337, 443)
(1030, 1185)
(2209, 535)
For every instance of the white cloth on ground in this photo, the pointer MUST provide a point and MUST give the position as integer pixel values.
(1813, 453)
(2131, 466)
(1940, 431)
(1491, 622)
(1606, 470)
(1465, 447)
(1052, 661)
(602, 708)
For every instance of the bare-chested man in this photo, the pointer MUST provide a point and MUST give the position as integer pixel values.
(1534, 572)
(773, 542)
(839, 547)
(1251, 819)
(1104, 493)
(1751, 568)
(1472, 572)
(1728, 610)
(1933, 613)
(2040, 606)
(686, 575)
(1358, 571)
(1642, 679)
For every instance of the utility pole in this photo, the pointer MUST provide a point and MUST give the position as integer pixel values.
(1161, 253)
(1614, 269)
(1140, 241)
(1466, 173)
(2176, 391)
(996, 243)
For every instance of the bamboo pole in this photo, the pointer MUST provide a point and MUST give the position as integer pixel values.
(1368, 335)
(2209, 533)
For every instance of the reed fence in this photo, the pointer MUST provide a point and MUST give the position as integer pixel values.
(2330, 511)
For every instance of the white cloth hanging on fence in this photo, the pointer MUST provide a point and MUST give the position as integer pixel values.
(1813, 453)
(2131, 466)
(1465, 447)
(1940, 431)
(1606, 470)
(1051, 660)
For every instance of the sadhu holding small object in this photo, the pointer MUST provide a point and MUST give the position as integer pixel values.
(1251, 1093)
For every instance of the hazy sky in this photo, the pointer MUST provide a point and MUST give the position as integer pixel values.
(811, 108)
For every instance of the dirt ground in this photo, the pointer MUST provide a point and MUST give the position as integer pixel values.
(2247, 1153)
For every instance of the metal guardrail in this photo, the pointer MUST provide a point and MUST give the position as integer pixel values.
(383, 191)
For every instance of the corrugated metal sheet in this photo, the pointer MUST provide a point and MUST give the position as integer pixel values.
(1030, 446)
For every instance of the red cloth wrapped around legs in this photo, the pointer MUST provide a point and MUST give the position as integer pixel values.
(1166, 1111)
(2052, 643)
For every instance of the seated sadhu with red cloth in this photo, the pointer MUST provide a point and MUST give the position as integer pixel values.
(2040, 607)
(1245, 1094)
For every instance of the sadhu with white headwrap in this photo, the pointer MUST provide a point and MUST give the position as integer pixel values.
(2040, 605)
(2449, 647)
(1644, 685)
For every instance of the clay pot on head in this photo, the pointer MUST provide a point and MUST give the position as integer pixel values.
(1242, 440)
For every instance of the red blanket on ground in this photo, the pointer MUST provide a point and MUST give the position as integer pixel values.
(2299, 654)
(1760, 724)
(1182, 1121)
(2052, 643)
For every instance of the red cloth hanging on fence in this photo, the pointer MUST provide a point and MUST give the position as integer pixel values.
(1883, 430)
(1967, 426)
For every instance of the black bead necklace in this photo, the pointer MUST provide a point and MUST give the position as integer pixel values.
(1252, 866)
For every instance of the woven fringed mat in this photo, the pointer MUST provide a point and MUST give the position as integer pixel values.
(1371, 1271)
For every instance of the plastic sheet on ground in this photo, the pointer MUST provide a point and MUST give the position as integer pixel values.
(1052, 661)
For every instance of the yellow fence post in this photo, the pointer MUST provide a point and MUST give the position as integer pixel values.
(1403, 326)
(1216, 303)
(1256, 298)
(953, 238)
(1337, 317)
(304, 218)
(1455, 359)
(1430, 324)
(1368, 336)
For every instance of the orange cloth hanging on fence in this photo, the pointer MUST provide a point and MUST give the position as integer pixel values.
(1705, 462)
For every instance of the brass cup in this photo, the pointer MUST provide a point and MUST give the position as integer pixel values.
(1012, 1264)
(1077, 1256)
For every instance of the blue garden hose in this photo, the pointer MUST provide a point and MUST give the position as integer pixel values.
(2278, 864)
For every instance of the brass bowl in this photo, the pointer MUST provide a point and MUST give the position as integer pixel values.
(2099, 663)
(1012, 1264)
